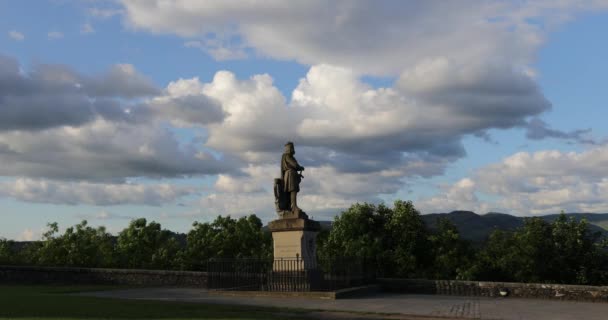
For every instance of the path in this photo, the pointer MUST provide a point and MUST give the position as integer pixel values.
(419, 305)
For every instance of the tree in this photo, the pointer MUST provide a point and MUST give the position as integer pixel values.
(533, 251)
(396, 239)
(226, 237)
(7, 252)
(564, 251)
(80, 245)
(451, 255)
(495, 261)
(143, 245)
(578, 255)
(356, 233)
(407, 241)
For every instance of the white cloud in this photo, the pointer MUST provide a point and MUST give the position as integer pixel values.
(104, 13)
(459, 196)
(104, 151)
(184, 104)
(218, 48)
(28, 235)
(379, 37)
(341, 121)
(54, 35)
(56, 123)
(16, 35)
(532, 183)
(104, 215)
(74, 193)
(53, 95)
(468, 74)
(87, 28)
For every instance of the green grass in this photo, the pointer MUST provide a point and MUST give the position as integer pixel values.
(43, 302)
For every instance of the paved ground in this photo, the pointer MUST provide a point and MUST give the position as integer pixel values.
(418, 305)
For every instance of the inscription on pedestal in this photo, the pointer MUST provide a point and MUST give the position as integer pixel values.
(284, 251)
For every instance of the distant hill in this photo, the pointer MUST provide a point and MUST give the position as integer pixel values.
(477, 228)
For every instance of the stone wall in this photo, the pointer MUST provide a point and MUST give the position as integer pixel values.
(497, 289)
(92, 276)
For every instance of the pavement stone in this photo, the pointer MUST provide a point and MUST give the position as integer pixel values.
(434, 306)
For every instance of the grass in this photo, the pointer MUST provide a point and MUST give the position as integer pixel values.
(44, 302)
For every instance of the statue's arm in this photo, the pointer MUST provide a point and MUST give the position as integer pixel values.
(293, 163)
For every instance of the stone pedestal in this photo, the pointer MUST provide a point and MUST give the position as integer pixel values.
(294, 242)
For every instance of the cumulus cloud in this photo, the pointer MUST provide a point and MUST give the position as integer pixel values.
(184, 104)
(464, 76)
(256, 114)
(533, 183)
(104, 150)
(369, 139)
(55, 95)
(121, 80)
(377, 37)
(459, 196)
(74, 193)
(342, 122)
(16, 35)
(56, 123)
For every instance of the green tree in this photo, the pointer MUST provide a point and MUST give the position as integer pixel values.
(147, 245)
(534, 251)
(578, 254)
(451, 255)
(396, 239)
(7, 252)
(564, 251)
(523, 256)
(80, 245)
(407, 241)
(226, 237)
(495, 261)
(357, 232)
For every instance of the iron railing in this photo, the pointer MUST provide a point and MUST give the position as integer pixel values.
(288, 274)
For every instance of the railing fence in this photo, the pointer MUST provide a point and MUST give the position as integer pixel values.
(288, 274)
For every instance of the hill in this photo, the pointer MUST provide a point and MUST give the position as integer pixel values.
(477, 228)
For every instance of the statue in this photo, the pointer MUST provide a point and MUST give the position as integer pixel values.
(293, 234)
(287, 187)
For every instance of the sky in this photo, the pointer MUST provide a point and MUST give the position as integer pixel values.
(178, 111)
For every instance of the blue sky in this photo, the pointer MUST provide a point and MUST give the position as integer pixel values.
(181, 110)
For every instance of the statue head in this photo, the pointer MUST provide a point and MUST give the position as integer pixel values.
(289, 148)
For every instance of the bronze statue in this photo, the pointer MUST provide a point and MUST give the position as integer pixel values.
(287, 187)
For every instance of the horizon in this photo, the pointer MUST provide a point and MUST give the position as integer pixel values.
(265, 225)
(178, 111)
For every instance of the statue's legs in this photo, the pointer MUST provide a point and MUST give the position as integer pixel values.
(294, 203)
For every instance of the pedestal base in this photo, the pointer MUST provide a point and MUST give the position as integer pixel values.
(294, 243)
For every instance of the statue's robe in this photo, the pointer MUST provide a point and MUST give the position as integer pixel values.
(289, 172)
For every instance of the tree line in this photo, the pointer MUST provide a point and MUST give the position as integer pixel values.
(143, 245)
(563, 251)
(394, 240)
